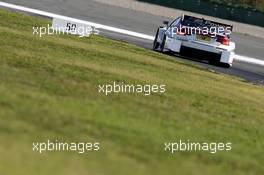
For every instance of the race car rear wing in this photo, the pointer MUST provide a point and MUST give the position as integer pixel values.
(212, 22)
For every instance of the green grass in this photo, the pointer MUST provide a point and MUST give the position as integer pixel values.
(49, 90)
(247, 4)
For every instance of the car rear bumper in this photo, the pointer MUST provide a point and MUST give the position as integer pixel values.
(201, 50)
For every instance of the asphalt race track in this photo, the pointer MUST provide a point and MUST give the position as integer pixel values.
(147, 24)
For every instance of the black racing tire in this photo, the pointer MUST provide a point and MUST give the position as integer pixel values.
(218, 63)
(163, 44)
(214, 62)
(225, 65)
(156, 44)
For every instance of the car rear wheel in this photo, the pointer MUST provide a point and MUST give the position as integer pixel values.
(156, 44)
(225, 65)
(163, 44)
(214, 62)
(218, 63)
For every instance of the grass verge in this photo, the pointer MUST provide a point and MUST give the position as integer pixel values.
(49, 90)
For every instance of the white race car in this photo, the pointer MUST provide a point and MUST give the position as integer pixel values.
(192, 36)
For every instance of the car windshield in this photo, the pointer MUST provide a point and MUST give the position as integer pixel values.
(201, 23)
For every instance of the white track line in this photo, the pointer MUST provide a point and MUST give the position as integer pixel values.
(109, 28)
(96, 25)
(249, 60)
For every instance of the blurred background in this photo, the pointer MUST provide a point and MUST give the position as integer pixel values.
(245, 11)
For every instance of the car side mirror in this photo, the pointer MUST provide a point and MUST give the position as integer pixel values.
(166, 23)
